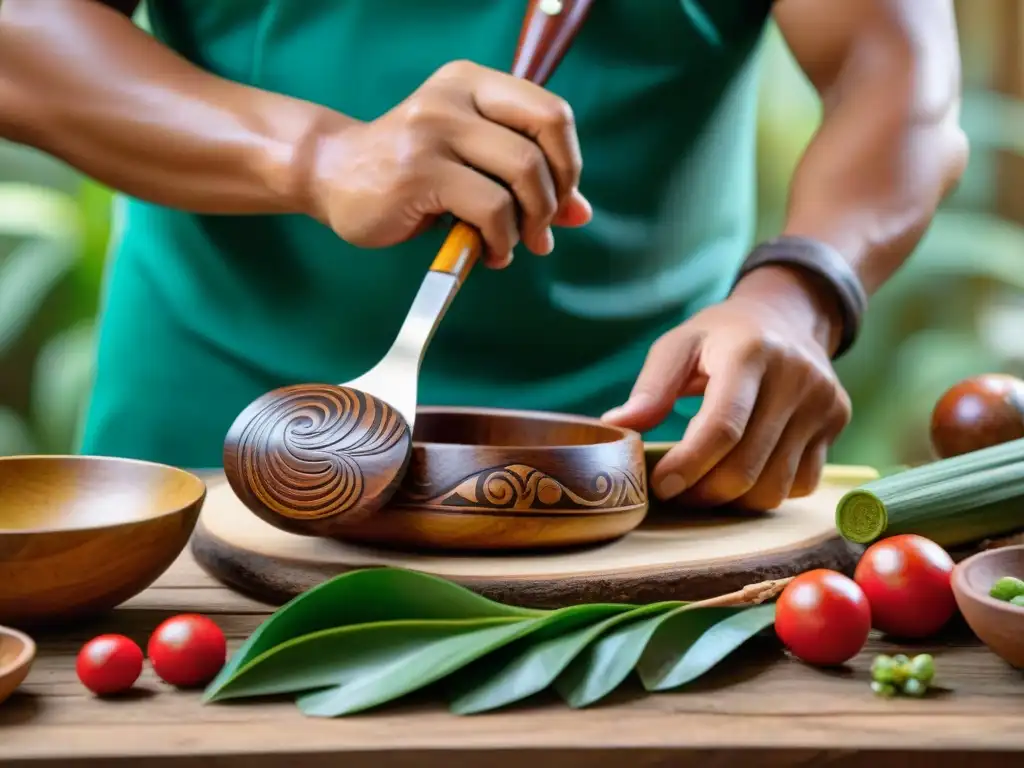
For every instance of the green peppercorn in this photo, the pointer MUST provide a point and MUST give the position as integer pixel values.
(1018, 600)
(883, 669)
(922, 668)
(885, 690)
(1007, 588)
(914, 687)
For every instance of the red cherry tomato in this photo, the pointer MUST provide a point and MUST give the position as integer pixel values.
(907, 581)
(109, 664)
(187, 650)
(823, 617)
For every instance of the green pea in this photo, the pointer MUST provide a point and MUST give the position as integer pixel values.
(901, 659)
(1018, 600)
(922, 668)
(1007, 588)
(885, 690)
(915, 688)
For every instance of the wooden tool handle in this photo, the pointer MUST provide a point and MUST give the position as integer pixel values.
(549, 27)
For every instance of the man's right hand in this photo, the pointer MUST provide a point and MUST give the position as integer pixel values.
(499, 152)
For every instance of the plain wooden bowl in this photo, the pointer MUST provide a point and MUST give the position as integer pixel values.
(80, 535)
(17, 652)
(998, 624)
(482, 479)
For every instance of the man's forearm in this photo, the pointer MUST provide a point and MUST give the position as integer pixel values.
(78, 80)
(889, 147)
(875, 172)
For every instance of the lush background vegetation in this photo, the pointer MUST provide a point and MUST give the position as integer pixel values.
(956, 310)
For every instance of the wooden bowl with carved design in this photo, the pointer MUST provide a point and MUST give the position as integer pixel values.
(79, 535)
(482, 479)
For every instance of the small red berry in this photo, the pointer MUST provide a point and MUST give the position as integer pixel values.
(109, 664)
(187, 650)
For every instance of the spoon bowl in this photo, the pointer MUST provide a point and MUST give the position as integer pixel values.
(17, 652)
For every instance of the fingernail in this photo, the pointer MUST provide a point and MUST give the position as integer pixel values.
(669, 487)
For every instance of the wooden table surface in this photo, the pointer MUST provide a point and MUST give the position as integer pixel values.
(763, 710)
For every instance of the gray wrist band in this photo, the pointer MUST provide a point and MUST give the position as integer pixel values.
(827, 264)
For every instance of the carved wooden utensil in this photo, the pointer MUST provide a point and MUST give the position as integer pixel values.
(310, 458)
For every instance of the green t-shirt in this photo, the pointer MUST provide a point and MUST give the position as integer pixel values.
(204, 313)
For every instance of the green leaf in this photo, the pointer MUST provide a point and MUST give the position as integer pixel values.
(362, 597)
(602, 666)
(529, 666)
(681, 651)
(15, 436)
(60, 387)
(430, 663)
(29, 274)
(336, 656)
(32, 211)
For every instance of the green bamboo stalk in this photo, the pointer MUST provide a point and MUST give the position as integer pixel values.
(953, 501)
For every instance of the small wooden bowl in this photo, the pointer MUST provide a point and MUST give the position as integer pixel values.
(483, 479)
(80, 535)
(17, 652)
(998, 624)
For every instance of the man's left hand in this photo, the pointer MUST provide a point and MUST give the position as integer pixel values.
(772, 401)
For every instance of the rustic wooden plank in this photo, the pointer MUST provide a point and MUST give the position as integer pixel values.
(761, 706)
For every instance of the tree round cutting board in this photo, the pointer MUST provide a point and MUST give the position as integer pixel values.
(675, 554)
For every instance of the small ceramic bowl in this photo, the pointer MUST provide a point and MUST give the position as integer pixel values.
(998, 624)
(80, 535)
(482, 479)
(17, 652)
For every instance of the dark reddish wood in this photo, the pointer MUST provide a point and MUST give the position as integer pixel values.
(311, 458)
(998, 624)
(977, 413)
(314, 459)
(544, 39)
(484, 479)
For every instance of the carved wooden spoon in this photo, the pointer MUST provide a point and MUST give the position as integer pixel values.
(310, 458)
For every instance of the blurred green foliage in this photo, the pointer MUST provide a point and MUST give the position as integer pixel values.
(950, 313)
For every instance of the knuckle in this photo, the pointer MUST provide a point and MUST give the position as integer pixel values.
(530, 162)
(498, 208)
(424, 114)
(558, 114)
(458, 69)
(728, 427)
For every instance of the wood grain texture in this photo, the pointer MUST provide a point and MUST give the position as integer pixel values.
(82, 534)
(544, 39)
(309, 458)
(759, 709)
(999, 624)
(486, 479)
(672, 554)
(17, 652)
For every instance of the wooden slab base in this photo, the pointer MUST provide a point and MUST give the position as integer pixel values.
(674, 555)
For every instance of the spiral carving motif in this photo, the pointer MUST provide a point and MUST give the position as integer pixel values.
(523, 488)
(306, 451)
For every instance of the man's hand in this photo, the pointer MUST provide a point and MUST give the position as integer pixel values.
(772, 403)
(496, 151)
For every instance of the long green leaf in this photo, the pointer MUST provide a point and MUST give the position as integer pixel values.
(28, 276)
(530, 665)
(336, 656)
(434, 661)
(362, 597)
(602, 667)
(681, 651)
